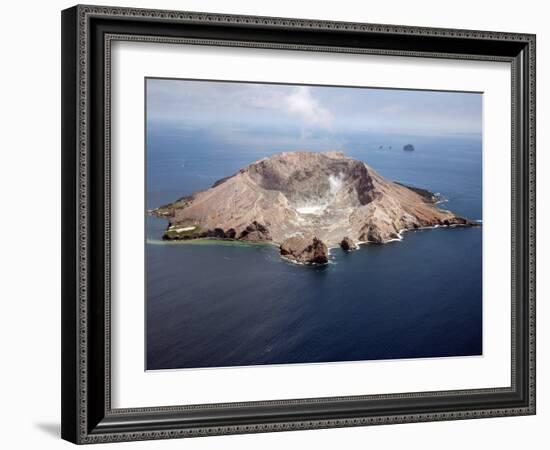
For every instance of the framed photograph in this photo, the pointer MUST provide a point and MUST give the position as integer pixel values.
(277, 224)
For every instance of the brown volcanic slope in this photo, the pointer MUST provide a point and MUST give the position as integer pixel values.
(324, 195)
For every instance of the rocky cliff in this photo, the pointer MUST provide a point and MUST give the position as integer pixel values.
(325, 197)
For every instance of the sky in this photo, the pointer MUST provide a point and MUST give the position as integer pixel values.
(309, 111)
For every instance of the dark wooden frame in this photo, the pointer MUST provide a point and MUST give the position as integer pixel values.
(87, 32)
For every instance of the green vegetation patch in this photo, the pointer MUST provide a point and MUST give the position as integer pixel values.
(185, 231)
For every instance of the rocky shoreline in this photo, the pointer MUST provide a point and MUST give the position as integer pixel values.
(304, 251)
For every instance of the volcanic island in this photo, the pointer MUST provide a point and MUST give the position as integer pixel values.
(305, 203)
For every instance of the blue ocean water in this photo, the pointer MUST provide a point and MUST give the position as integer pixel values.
(215, 304)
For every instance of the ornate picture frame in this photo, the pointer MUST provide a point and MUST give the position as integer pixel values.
(87, 35)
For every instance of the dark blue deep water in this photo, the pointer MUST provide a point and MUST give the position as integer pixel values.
(224, 304)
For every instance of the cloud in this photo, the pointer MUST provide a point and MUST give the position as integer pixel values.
(301, 104)
(297, 102)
